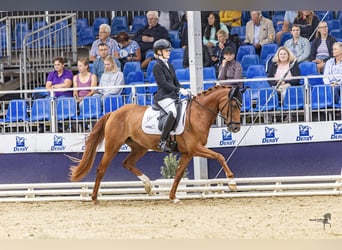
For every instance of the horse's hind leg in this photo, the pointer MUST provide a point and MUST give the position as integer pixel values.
(129, 163)
(101, 169)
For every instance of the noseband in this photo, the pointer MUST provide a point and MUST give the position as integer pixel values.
(229, 114)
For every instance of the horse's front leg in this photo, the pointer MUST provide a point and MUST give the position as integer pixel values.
(208, 153)
(183, 164)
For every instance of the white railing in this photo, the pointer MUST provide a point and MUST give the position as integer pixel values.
(188, 189)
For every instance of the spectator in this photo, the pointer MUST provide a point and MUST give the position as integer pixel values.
(170, 19)
(308, 21)
(321, 46)
(127, 50)
(104, 37)
(289, 18)
(334, 67)
(98, 65)
(259, 31)
(231, 18)
(111, 76)
(59, 78)
(229, 68)
(283, 67)
(298, 45)
(205, 56)
(223, 42)
(152, 32)
(83, 79)
(209, 35)
(183, 31)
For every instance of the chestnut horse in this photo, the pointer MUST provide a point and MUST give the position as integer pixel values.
(123, 126)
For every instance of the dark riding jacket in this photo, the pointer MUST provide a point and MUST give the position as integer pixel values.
(168, 84)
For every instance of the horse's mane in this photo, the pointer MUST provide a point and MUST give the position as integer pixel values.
(211, 90)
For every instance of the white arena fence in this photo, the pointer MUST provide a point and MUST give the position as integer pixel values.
(188, 189)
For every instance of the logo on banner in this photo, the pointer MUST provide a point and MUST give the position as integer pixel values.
(20, 145)
(58, 143)
(337, 131)
(304, 133)
(227, 138)
(270, 135)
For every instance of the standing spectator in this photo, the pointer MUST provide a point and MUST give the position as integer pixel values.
(183, 31)
(104, 37)
(59, 78)
(308, 22)
(223, 42)
(321, 46)
(111, 76)
(83, 79)
(231, 18)
(205, 57)
(98, 65)
(150, 33)
(229, 68)
(127, 50)
(289, 18)
(284, 67)
(334, 67)
(298, 45)
(209, 35)
(170, 19)
(259, 31)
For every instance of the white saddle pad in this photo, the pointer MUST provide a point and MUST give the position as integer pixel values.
(150, 121)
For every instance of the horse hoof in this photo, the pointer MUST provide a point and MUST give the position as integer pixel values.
(177, 201)
(148, 188)
(232, 185)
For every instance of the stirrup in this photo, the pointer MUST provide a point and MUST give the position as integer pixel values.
(164, 147)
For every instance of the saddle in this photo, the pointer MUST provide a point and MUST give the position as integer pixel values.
(163, 115)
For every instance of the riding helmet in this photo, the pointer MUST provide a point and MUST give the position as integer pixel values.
(161, 44)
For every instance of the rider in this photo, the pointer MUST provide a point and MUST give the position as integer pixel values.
(168, 88)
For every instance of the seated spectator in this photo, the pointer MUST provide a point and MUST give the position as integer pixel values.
(283, 67)
(98, 65)
(127, 50)
(334, 67)
(259, 31)
(289, 18)
(83, 79)
(298, 45)
(229, 68)
(205, 56)
(321, 46)
(209, 34)
(152, 32)
(308, 21)
(104, 37)
(231, 18)
(110, 77)
(59, 78)
(223, 42)
(170, 19)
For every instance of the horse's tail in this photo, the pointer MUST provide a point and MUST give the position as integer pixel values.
(94, 139)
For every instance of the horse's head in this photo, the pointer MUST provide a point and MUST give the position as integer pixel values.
(232, 109)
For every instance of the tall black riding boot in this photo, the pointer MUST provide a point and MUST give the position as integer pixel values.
(165, 133)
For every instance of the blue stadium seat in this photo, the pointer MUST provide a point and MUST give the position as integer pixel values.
(248, 60)
(240, 31)
(144, 100)
(321, 14)
(246, 101)
(337, 33)
(267, 100)
(40, 110)
(321, 97)
(149, 54)
(97, 22)
(16, 111)
(284, 37)
(177, 63)
(21, 29)
(333, 24)
(244, 50)
(63, 37)
(112, 103)
(307, 69)
(183, 75)
(91, 108)
(135, 77)
(255, 70)
(294, 98)
(255, 86)
(86, 36)
(276, 19)
(119, 24)
(81, 23)
(149, 71)
(131, 67)
(209, 77)
(138, 23)
(66, 108)
(176, 54)
(266, 49)
(174, 38)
